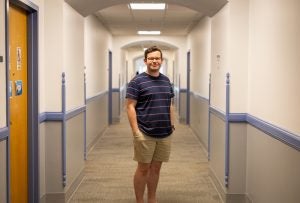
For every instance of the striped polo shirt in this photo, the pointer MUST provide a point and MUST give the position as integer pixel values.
(153, 96)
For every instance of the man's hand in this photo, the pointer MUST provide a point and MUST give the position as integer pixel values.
(138, 135)
(131, 113)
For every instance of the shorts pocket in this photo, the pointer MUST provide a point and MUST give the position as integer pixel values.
(139, 136)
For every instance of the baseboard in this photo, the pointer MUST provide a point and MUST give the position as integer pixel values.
(203, 147)
(237, 198)
(43, 199)
(116, 120)
(53, 197)
(227, 198)
(95, 140)
(63, 197)
(73, 187)
(217, 184)
(182, 120)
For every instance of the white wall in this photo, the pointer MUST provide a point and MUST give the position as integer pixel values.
(238, 54)
(123, 71)
(41, 53)
(53, 54)
(169, 57)
(64, 48)
(97, 42)
(219, 57)
(199, 43)
(73, 55)
(274, 62)
(230, 55)
(130, 56)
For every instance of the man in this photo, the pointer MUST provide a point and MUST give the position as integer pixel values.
(150, 113)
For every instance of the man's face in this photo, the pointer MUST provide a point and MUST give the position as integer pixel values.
(153, 61)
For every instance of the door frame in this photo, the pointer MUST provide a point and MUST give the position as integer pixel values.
(188, 88)
(33, 105)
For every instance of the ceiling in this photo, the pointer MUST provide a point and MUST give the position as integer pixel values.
(178, 19)
(175, 20)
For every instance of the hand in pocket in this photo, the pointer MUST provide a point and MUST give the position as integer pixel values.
(139, 136)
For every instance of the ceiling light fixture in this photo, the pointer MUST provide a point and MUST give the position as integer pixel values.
(147, 6)
(148, 32)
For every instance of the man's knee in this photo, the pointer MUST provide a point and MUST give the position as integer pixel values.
(155, 167)
(143, 168)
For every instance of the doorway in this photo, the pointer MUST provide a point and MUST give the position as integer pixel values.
(18, 104)
(110, 78)
(188, 88)
(23, 117)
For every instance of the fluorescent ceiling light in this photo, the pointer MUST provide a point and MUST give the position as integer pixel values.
(148, 6)
(149, 32)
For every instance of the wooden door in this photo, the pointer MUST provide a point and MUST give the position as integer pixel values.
(18, 105)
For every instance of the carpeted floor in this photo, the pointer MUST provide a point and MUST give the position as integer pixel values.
(109, 170)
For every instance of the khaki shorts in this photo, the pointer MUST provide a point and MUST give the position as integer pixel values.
(147, 149)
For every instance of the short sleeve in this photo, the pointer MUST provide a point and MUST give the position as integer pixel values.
(132, 90)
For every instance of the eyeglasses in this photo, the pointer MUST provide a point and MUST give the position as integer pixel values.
(152, 59)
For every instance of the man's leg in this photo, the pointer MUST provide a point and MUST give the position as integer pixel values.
(140, 180)
(152, 181)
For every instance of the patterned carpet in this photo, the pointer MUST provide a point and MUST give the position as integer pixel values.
(109, 170)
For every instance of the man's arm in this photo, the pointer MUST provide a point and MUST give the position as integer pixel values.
(131, 113)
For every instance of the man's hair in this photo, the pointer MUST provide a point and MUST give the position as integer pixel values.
(152, 49)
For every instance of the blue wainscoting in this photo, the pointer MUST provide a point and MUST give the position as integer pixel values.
(286, 137)
(274, 131)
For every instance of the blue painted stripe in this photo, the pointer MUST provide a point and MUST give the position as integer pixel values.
(183, 90)
(237, 117)
(200, 97)
(115, 90)
(276, 132)
(74, 112)
(3, 133)
(97, 96)
(220, 114)
(42, 117)
(51, 116)
(59, 116)
(285, 136)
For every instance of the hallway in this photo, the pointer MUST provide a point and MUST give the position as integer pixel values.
(234, 69)
(109, 170)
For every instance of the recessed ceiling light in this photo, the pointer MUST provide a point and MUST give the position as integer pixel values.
(149, 32)
(147, 6)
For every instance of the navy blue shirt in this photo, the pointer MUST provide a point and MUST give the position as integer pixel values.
(153, 96)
